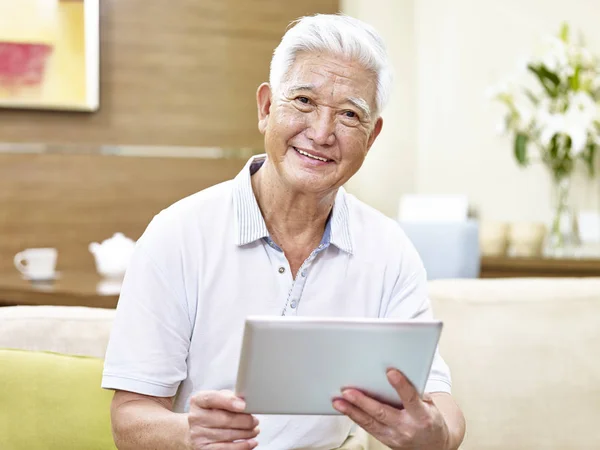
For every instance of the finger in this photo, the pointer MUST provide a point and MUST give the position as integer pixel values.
(228, 435)
(243, 445)
(360, 417)
(225, 400)
(406, 391)
(383, 413)
(214, 418)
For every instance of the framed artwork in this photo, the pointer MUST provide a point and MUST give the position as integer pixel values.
(49, 54)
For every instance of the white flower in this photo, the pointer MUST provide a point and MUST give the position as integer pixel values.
(553, 54)
(511, 86)
(526, 111)
(501, 128)
(583, 107)
(544, 111)
(550, 125)
(580, 116)
(577, 122)
(578, 133)
(567, 124)
(571, 116)
(564, 72)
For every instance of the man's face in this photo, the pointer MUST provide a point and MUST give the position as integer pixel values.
(321, 123)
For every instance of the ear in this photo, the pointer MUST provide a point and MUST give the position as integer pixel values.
(263, 102)
(375, 132)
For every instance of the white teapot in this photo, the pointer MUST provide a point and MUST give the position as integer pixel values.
(112, 255)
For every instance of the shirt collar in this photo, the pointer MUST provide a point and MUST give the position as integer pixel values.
(250, 225)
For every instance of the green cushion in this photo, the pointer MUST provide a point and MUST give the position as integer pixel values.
(52, 401)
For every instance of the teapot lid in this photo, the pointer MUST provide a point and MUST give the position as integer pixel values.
(118, 240)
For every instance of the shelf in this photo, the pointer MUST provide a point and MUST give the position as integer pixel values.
(504, 267)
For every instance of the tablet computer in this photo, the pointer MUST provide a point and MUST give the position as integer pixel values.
(298, 365)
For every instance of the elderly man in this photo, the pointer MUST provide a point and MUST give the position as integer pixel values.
(282, 238)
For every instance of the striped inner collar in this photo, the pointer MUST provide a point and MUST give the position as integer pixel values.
(250, 225)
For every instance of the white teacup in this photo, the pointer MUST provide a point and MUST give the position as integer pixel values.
(37, 263)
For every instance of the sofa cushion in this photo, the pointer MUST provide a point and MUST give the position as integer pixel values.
(53, 402)
(70, 330)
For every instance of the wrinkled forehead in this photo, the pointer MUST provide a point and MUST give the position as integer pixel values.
(331, 77)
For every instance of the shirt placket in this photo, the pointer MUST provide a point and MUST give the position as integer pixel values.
(294, 287)
(282, 267)
(292, 303)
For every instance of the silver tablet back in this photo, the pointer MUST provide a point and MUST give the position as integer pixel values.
(298, 365)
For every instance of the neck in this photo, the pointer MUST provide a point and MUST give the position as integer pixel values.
(292, 217)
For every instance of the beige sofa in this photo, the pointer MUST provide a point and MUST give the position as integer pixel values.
(524, 353)
(525, 357)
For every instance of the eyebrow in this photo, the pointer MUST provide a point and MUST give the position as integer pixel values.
(358, 102)
(362, 105)
(300, 87)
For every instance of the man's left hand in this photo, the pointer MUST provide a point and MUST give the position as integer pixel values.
(418, 425)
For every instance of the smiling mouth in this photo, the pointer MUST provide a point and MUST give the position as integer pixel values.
(318, 158)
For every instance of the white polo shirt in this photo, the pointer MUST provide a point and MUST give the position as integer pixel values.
(207, 262)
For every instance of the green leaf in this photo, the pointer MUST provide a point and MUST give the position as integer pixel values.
(548, 79)
(550, 75)
(521, 148)
(574, 80)
(532, 97)
(589, 156)
(553, 151)
(564, 32)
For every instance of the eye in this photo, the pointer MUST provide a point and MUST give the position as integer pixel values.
(304, 100)
(350, 114)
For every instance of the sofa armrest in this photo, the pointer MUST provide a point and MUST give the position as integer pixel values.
(71, 330)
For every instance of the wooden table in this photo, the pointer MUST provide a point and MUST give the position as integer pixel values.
(503, 267)
(71, 289)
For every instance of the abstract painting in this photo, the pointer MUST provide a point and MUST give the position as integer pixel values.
(49, 54)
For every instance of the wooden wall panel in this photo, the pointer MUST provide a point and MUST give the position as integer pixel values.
(180, 72)
(68, 201)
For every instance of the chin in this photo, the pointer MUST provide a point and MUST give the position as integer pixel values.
(310, 184)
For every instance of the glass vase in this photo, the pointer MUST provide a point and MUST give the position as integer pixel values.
(563, 237)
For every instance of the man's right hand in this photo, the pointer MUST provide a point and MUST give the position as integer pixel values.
(217, 422)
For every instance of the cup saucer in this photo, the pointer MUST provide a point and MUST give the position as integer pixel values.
(43, 279)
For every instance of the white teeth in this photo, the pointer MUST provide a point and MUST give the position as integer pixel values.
(311, 156)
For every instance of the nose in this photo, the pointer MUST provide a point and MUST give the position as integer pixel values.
(321, 128)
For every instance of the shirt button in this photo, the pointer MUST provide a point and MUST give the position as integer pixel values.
(293, 304)
(281, 269)
(303, 273)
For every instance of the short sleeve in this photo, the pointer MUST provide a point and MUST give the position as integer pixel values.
(408, 299)
(150, 337)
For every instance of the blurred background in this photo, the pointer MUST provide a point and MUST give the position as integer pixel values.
(111, 111)
(108, 114)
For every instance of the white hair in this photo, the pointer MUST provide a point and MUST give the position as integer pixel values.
(339, 35)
